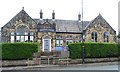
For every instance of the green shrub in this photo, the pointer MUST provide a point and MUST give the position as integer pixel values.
(93, 50)
(119, 48)
(17, 51)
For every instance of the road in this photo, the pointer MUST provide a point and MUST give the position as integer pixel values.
(93, 66)
(102, 66)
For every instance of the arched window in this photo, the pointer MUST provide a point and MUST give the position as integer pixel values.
(106, 37)
(22, 34)
(94, 36)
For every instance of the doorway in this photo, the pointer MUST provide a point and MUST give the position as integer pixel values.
(46, 44)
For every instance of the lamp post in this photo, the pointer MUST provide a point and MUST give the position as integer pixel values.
(83, 47)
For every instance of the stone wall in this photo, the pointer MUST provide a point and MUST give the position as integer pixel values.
(72, 61)
(53, 35)
(22, 18)
(14, 63)
(100, 32)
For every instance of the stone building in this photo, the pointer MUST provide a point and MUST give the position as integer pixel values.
(51, 33)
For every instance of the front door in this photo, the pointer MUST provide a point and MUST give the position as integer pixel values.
(46, 45)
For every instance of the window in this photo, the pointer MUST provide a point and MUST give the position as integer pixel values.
(59, 37)
(12, 38)
(22, 39)
(69, 39)
(31, 33)
(26, 33)
(94, 36)
(106, 37)
(12, 33)
(26, 38)
(59, 40)
(31, 38)
(22, 34)
(18, 38)
(77, 39)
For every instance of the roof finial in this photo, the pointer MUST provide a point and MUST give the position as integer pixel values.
(23, 8)
(99, 13)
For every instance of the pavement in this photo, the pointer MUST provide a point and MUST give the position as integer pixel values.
(47, 66)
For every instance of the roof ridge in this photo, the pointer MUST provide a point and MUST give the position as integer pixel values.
(98, 17)
(20, 15)
(58, 19)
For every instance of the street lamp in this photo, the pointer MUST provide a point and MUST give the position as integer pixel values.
(83, 47)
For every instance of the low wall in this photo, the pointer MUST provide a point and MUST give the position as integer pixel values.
(14, 63)
(72, 61)
(93, 60)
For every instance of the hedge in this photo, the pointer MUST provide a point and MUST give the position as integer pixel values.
(18, 51)
(119, 48)
(93, 50)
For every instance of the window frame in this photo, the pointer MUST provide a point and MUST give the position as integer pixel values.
(59, 40)
(94, 36)
(69, 39)
(106, 36)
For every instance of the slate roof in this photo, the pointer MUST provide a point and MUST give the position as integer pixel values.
(61, 25)
(22, 15)
(66, 25)
(101, 20)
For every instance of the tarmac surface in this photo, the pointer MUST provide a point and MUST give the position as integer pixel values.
(110, 66)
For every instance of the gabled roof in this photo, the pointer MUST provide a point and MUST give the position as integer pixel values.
(61, 25)
(22, 15)
(99, 19)
(66, 25)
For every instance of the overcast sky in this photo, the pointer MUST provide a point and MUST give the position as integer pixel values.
(64, 9)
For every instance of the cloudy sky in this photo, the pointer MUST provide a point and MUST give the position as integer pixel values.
(64, 9)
